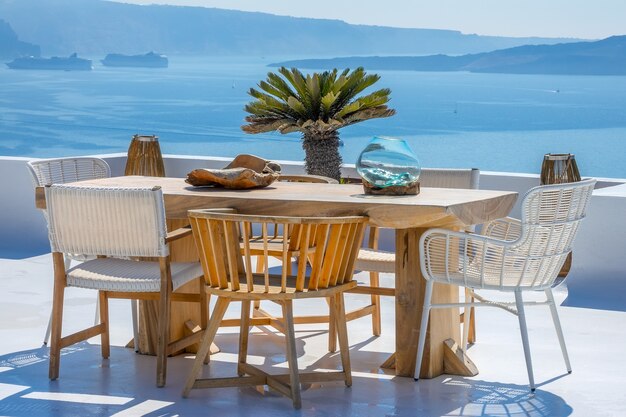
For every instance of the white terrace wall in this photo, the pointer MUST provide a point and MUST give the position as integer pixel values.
(597, 277)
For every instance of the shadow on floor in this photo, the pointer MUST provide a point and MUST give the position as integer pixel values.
(125, 386)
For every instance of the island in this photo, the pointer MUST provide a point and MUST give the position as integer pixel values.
(70, 63)
(603, 57)
(149, 60)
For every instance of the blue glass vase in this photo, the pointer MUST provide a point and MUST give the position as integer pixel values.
(389, 163)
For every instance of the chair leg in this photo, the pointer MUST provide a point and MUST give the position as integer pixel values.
(375, 282)
(134, 313)
(244, 331)
(466, 322)
(96, 317)
(103, 303)
(428, 292)
(342, 332)
(46, 337)
(67, 262)
(205, 345)
(292, 356)
(260, 266)
(559, 329)
(205, 300)
(471, 337)
(164, 321)
(332, 328)
(57, 315)
(519, 302)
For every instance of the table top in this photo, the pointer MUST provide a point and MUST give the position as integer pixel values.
(433, 207)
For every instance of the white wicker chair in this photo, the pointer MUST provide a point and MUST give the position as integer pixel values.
(114, 224)
(62, 171)
(512, 256)
(379, 261)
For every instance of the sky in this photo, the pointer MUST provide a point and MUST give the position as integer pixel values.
(589, 19)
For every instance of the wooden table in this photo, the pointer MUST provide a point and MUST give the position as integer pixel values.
(409, 215)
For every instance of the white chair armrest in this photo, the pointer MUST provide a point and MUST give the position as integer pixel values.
(460, 258)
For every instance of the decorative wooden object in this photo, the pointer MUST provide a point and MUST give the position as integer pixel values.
(409, 189)
(245, 171)
(560, 168)
(144, 157)
(255, 163)
(234, 178)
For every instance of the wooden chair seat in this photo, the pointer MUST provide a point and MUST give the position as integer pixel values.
(274, 291)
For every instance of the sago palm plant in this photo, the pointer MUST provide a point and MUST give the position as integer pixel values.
(317, 105)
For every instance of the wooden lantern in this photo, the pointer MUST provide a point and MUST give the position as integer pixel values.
(144, 157)
(559, 168)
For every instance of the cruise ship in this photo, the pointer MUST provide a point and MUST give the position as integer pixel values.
(150, 60)
(70, 63)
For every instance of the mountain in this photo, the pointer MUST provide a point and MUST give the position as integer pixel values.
(94, 27)
(11, 46)
(604, 57)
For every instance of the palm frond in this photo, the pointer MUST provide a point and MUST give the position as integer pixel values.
(290, 101)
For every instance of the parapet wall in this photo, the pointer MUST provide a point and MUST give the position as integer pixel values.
(597, 274)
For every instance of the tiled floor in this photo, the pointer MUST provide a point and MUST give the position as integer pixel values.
(124, 384)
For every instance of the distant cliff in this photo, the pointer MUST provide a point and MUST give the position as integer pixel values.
(95, 27)
(11, 46)
(604, 57)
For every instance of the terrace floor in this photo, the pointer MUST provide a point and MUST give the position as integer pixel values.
(124, 384)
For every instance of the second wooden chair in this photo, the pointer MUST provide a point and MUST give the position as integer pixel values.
(226, 253)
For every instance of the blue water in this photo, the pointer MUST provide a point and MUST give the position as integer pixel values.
(496, 122)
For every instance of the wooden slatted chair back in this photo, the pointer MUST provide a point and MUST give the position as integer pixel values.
(329, 244)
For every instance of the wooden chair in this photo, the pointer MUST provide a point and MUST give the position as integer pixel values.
(228, 272)
(62, 171)
(512, 256)
(377, 261)
(113, 225)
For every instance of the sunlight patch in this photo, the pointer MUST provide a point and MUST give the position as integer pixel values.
(142, 409)
(362, 374)
(6, 390)
(234, 358)
(78, 398)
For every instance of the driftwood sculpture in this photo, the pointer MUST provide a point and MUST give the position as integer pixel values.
(245, 171)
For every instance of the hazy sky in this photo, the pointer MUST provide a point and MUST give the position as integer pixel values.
(592, 19)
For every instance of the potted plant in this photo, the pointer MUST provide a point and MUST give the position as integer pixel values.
(318, 105)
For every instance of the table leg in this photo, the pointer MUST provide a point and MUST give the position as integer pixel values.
(443, 323)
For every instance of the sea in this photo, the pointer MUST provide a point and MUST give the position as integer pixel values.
(495, 122)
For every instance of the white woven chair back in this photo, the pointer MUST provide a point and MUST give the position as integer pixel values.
(450, 178)
(117, 222)
(64, 170)
(551, 215)
(514, 254)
